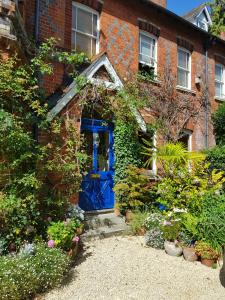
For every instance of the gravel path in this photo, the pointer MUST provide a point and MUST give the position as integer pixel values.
(121, 268)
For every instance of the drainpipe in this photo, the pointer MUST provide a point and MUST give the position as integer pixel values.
(207, 96)
(36, 36)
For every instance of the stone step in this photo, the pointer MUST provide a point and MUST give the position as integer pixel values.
(105, 232)
(102, 220)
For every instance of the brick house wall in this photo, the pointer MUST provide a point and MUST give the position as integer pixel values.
(119, 37)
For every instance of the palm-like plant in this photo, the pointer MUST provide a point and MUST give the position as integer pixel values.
(171, 156)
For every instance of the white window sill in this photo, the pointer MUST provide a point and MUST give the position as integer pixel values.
(219, 98)
(184, 89)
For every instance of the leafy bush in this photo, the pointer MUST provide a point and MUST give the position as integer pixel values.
(18, 219)
(218, 122)
(134, 192)
(171, 230)
(216, 157)
(211, 224)
(21, 277)
(187, 188)
(137, 222)
(62, 233)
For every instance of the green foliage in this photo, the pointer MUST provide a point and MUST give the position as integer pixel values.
(218, 16)
(19, 218)
(137, 222)
(154, 235)
(134, 192)
(218, 123)
(127, 148)
(216, 158)
(187, 188)
(171, 157)
(62, 233)
(36, 181)
(211, 224)
(171, 231)
(22, 277)
(204, 250)
(189, 226)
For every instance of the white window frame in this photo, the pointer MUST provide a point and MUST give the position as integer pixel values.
(141, 32)
(189, 68)
(222, 97)
(93, 12)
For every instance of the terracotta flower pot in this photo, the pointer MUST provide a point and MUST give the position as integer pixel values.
(208, 262)
(141, 231)
(117, 212)
(129, 216)
(172, 249)
(189, 254)
(73, 251)
(80, 230)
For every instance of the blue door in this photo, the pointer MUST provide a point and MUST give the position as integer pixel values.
(97, 186)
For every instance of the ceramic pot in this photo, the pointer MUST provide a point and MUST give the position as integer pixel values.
(129, 216)
(73, 251)
(189, 254)
(208, 262)
(172, 249)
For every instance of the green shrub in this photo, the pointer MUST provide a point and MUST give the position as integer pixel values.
(137, 222)
(134, 192)
(216, 157)
(211, 224)
(22, 277)
(62, 233)
(218, 122)
(154, 235)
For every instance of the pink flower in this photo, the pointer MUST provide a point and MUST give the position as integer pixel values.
(51, 244)
(76, 239)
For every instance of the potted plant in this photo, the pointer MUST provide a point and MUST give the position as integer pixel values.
(208, 255)
(171, 230)
(117, 209)
(188, 249)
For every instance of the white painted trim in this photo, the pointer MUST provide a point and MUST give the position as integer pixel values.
(220, 82)
(190, 68)
(156, 49)
(207, 15)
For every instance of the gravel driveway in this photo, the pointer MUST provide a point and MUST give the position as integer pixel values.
(121, 268)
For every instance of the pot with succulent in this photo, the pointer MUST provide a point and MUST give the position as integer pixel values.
(171, 230)
(208, 255)
(188, 248)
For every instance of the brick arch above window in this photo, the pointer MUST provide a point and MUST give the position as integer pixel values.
(95, 4)
(149, 27)
(181, 42)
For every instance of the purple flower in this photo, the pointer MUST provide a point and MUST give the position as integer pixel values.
(166, 223)
(51, 244)
(76, 239)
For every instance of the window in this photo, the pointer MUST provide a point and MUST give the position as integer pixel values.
(220, 81)
(148, 51)
(184, 69)
(85, 29)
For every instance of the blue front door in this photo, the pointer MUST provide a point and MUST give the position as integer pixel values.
(97, 186)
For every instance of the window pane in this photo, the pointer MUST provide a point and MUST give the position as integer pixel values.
(103, 151)
(145, 49)
(182, 78)
(95, 29)
(83, 43)
(74, 17)
(84, 21)
(183, 59)
(94, 42)
(145, 59)
(219, 87)
(219, 73)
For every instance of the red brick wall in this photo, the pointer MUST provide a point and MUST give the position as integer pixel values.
(119, 37)
(160, 2)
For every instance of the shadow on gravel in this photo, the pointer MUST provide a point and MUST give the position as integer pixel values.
(222, 271)
(82, 255)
